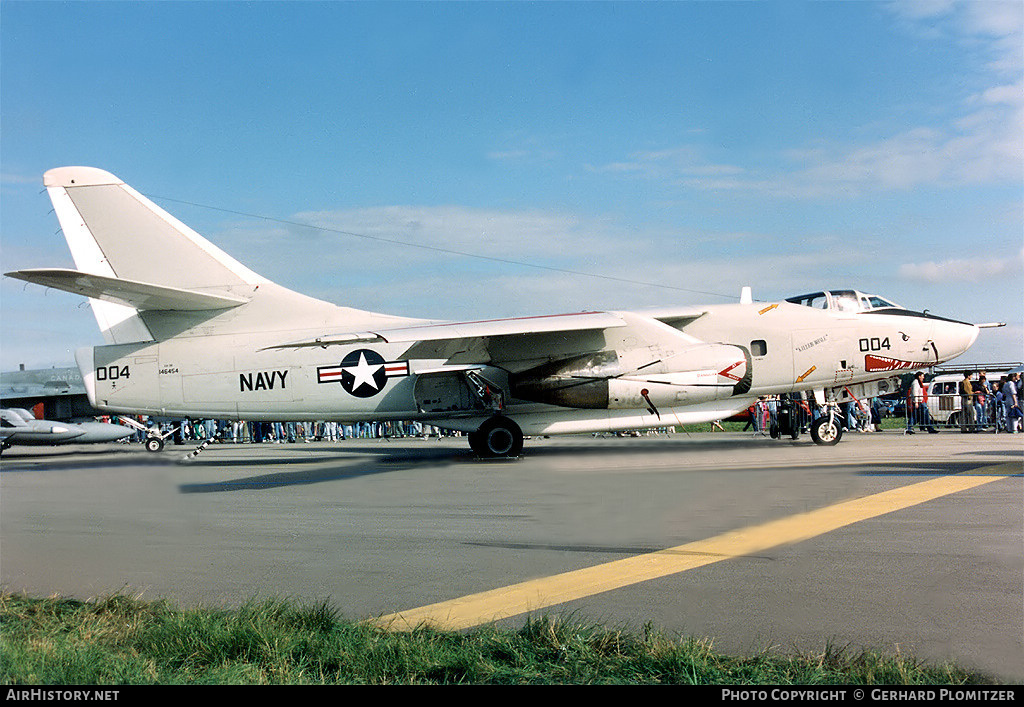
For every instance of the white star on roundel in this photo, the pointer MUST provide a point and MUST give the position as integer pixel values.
(364, 372)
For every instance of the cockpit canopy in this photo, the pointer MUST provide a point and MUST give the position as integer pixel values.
(843, 301)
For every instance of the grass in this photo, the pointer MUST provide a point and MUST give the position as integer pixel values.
(120, 640)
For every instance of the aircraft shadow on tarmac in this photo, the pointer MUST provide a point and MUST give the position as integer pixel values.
(72, 459)
(347, 466)
(303, 466)
(402, 457)
(1002, 453)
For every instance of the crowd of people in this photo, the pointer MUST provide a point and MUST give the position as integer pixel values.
(248, 432)
(977, 405)
(242, 432)
(863, 416)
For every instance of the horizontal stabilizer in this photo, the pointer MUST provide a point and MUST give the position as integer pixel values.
(140, 295)
(585, 321)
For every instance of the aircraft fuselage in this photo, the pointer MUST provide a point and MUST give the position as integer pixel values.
(758, 349)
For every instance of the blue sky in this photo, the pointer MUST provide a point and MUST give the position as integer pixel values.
(698, 146)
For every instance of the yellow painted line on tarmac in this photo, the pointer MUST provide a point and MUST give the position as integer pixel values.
(536, 594)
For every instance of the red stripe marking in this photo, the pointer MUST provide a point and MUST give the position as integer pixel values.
(726, 373)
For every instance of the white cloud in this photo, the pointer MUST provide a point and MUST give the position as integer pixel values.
(486, 232)
(973, 269)
(982, 144)
(685, 161)
(10, 178)
(444, 261)
(985, 145)
(921, 9)
(518, 148)
(992, 18)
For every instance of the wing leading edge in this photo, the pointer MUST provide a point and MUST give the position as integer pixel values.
(449, 331)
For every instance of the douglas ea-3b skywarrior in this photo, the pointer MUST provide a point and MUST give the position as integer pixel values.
(191, 332)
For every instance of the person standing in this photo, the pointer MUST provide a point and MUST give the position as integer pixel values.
(1011, 402)
(982, 396)
(913, 398)
(967, 422)
(997, 404)
(924, 416)
(917, 403)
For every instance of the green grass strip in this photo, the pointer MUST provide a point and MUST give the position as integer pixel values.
(120, 640)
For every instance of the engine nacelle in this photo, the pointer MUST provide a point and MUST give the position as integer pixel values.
(701, 373)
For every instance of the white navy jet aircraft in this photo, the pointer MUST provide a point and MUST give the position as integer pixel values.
(192, 332)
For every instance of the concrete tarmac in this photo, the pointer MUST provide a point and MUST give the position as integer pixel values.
(383, 526)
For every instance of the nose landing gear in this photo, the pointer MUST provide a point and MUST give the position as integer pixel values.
(827, 430)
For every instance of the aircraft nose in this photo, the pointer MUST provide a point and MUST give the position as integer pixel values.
(954, 338)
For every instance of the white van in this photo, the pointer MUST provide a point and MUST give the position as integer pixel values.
(944, 396)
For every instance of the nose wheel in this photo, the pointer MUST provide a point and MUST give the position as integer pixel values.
(826, 430)
(497, 437)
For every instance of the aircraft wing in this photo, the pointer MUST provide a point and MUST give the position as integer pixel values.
(140, 295)
(442, 339)
(503, 327)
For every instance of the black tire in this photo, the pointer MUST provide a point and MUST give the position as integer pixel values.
(792, 421)
(498, 437)
(154, 444)
(476, 443)
(826, 430)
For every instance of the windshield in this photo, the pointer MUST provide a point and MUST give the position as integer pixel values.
(876, 302)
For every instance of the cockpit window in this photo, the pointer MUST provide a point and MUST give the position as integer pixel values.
(843, 301)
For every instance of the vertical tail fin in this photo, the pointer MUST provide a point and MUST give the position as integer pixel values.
(114, 231)
(151, 277)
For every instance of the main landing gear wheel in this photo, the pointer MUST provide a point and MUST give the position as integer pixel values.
(794, 423)
(154, 444)
(497, 437)
(826, 430)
